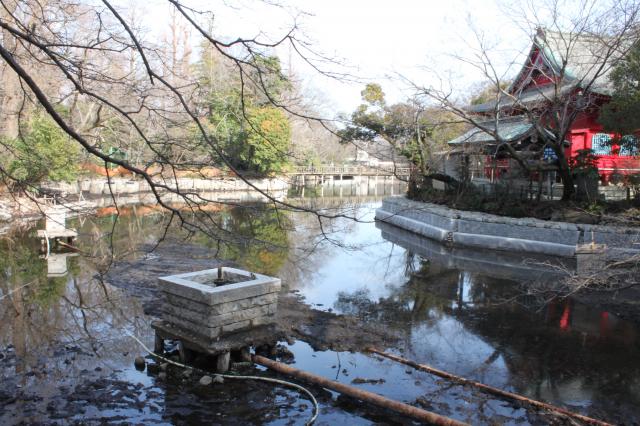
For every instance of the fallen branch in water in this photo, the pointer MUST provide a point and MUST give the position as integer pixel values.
(489, 389)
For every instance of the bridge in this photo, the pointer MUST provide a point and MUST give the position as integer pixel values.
(350, 171)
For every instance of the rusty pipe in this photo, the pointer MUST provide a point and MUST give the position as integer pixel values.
(370, 397)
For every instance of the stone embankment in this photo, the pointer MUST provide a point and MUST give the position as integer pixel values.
(526, 235)
(119, 186)
(84, 196)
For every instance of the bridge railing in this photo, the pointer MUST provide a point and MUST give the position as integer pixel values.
(352, 170)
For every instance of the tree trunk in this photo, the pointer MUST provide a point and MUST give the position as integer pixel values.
(10, 96)
(567, 179)
(564, 171)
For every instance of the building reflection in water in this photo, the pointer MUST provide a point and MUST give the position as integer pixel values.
(57, 263)
(475, 302)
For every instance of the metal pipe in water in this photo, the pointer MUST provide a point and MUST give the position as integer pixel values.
(220, 280)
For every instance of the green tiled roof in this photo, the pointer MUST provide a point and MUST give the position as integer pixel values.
(509, 130)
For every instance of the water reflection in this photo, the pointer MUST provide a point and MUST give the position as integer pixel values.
(57, 265)
(459, 310)
(561, 351)
(364, 188)
(515, 266)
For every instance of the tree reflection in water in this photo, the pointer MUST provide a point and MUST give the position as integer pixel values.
(62, 328)
(561, 352)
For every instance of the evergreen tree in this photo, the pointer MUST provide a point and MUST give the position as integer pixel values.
(622, 114)
(43, 152)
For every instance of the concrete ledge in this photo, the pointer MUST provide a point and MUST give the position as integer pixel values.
(421, 228)
(221, 308)
(513, 244)
(522, 235)
(220, 320)
(183, 285)
(495, 263)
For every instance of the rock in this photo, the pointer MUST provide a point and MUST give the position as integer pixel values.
(187, 373)
(205, 380)
(153, 368)
(163, 366)
(285, 354)
(139, 363)
(162, 376)
(218, 379)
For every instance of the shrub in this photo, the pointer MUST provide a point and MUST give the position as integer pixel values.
(44, 152)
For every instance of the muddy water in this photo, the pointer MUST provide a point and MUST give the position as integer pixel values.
(65, 353)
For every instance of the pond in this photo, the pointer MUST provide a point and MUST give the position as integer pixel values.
(66, 354)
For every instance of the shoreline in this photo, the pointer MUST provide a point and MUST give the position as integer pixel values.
(86, 196)
(488, 231)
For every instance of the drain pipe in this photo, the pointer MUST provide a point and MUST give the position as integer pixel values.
(373, 398)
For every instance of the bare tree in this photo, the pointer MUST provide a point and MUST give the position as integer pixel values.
(88, 66)
(575, 46)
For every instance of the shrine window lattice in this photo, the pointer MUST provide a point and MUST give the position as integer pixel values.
(628, 146)
(601, 145)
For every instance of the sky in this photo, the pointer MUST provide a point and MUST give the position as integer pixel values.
(394, 43)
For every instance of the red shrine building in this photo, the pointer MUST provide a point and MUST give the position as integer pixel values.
(561, 71)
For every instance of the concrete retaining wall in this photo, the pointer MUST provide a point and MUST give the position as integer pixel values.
(502, 264)
(100, 186)
(481, 230)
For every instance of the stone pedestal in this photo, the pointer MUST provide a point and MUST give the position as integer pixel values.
(194, 302)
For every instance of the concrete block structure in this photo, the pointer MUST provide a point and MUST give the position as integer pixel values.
(220, 301)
